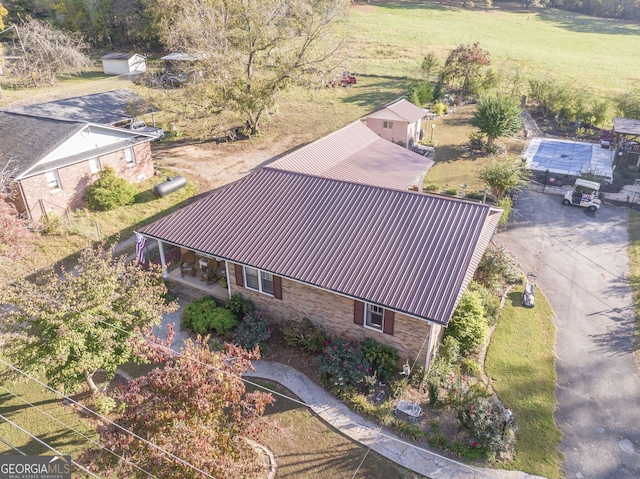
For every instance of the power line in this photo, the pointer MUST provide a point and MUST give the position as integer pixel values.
(12, 446)
(180, 460)
(77, 432)
(297, 401)
(35, 438)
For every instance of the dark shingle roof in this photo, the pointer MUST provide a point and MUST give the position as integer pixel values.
(355, 153)
(105, 108)
(411, 252)
(24, 140)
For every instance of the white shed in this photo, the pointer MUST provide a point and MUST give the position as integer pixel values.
(120, 63)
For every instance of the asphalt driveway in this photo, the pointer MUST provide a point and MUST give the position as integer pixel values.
(581, 262)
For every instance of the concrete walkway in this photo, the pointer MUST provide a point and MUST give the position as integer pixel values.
(369, 434)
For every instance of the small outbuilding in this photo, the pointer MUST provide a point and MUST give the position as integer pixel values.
(123, 63)
(399, 122)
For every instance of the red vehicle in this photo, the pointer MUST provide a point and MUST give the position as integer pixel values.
(347, 79)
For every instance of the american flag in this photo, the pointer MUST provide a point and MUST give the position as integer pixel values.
(141, 241)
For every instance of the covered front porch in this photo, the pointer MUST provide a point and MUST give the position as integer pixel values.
(196, 270)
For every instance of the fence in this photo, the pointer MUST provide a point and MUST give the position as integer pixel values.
(78, 222)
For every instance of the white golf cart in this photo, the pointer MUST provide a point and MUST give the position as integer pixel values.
(584, 193)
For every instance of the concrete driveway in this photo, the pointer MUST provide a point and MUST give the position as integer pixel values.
(581, 262)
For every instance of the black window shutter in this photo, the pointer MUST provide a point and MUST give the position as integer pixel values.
(358, 312)
(277, 287)
(239, 275)
(388, 322)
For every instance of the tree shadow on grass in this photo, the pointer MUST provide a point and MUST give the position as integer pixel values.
(576, 22)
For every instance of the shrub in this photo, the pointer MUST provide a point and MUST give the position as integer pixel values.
(463, 390)
(305, 335)
(408, 430)
(381, 358)
(468, 323)
(104, 404)
(52, 224)
(439, 108)
(432, 187)
(204, 315)
(471, 367)
(496, 266)
(451, 191)
(490, 423)
(110, 191)
(490, 302)
(342, 365)
(507, 206)
(239, 305)
(253, 331)
(438, 440)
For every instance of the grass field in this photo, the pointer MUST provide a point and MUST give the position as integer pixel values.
(391, 37)
(525, 381)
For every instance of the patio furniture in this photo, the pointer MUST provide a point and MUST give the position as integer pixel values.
(209, 273)
(187, 264)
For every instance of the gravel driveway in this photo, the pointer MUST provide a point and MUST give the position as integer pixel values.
(581, 262)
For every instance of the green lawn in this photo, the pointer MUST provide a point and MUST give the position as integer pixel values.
(391, 37)
(521, 365)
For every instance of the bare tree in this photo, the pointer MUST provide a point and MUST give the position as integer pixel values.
(246, 52)
(47, 53)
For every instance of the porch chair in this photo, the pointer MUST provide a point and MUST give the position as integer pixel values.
(209, 273)
(187, 264)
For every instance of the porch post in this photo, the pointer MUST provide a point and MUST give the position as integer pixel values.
(421, 183)
(427, 361)
(226, 267)
(163, 261)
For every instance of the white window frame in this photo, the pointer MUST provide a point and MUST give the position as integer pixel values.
(261, 275)
(94, 165)
(53, 180)
(387, 125)
(129, 156)
(372, 308)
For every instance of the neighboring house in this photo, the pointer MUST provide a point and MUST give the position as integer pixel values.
(122, 63)
(355, 259)
(398, 121)
(355, 153)
(113, 108)
(53, 161)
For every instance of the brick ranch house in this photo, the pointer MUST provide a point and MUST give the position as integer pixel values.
(51, 162)
(357, 260)
(397, 121)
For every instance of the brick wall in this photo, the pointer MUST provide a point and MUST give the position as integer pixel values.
(75, 178)
(334, 314)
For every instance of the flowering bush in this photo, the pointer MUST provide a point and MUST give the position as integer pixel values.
(490, 423)
(497, 265)
(253, 331)
(342, 365)
(463, 390)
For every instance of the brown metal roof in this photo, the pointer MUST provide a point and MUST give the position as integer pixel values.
(355, 153)
(410, 252)
(404, 109)
(626, 126)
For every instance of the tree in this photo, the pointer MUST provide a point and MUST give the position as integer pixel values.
(16, 239)
(430, 64)
(71, 325)
(628, 104)
(421, 94)
(249, 51)
(47, 53)
(194, 407)
(504, 174)
(497, 116)
(464, 65)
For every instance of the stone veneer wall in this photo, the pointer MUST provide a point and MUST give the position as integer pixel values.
(334, 314)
